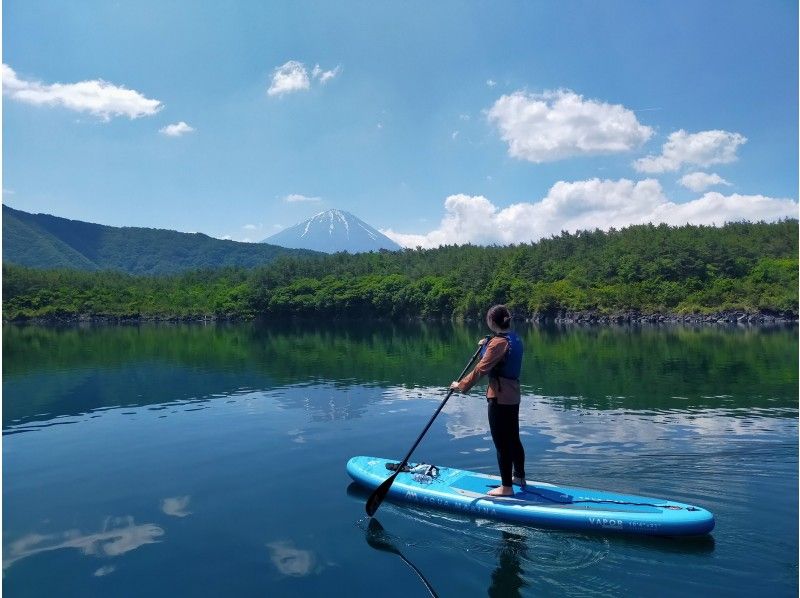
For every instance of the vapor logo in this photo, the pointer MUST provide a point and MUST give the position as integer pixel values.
(603, 522)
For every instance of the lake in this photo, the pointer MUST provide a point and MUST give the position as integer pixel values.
(190, 460)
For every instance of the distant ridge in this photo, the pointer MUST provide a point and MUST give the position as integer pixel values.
(333, 231)
(45, 241)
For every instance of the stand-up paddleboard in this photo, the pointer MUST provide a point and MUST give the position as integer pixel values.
(538, 503)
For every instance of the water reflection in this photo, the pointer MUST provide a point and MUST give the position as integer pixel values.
(606, 409)
(379, 539)
(117, 536)
(292, 561)
(176, 506)
(106, 570)
(603, 430)
(49, 372)
(507, 578)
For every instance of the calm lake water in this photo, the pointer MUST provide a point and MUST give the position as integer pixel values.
(210, 461)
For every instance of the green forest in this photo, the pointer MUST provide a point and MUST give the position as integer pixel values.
(751, 267)
(44, 241)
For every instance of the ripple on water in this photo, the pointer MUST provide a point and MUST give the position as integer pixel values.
(538, 551)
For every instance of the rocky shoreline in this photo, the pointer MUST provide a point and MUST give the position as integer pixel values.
(741, 318)
(633, 317)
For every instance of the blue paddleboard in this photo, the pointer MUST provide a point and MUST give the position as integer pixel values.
(538, 504)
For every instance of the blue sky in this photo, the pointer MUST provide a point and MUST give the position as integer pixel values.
(435, 122)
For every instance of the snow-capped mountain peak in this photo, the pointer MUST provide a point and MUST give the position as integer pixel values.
(332, 231)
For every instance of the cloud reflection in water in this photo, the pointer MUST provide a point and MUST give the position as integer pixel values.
(118, 536)
(176, 506)
(292, 561)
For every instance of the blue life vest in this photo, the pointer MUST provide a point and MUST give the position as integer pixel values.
(511, 365)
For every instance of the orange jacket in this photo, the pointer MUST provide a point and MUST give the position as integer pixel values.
(505, 390)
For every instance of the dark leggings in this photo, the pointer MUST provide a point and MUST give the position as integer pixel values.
(504, 425)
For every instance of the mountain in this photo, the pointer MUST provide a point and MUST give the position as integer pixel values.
(44, 241)
(332, 231)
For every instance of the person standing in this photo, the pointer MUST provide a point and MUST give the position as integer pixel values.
(501, 360)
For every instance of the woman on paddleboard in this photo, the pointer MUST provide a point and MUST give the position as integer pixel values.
(501, 360)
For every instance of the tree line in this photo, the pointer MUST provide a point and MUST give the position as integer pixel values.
(646, 268)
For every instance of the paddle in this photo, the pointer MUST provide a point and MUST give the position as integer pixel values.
(376, 498)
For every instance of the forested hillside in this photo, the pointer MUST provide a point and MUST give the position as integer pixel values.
(44, 241)
(688, 269)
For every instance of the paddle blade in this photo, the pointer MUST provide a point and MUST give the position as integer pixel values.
(376, 498)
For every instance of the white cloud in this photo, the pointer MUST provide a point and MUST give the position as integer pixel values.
(294, 76)
(701, 149)
(297, 197)
(716, 209)
(562, 124)
(491, 82)
(700, 181)
(176, 130)
(97, 97)
(467, 219)
(251, 227)
(586, 205)
(289, 77)
(454, 134)
(324, 76)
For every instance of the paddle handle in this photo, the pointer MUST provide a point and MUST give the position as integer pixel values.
(376, 498)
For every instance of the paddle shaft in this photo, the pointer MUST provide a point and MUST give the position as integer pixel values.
(376, 498)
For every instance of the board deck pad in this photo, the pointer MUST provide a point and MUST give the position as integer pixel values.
(538, 503)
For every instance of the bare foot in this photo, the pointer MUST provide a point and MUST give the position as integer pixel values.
(501, 491)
